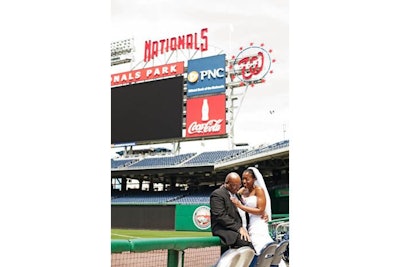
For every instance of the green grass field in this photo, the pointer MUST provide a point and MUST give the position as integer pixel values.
(131, 234)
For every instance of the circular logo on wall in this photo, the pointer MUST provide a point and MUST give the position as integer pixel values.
(202, 217)
(251, 64)
(193, 76)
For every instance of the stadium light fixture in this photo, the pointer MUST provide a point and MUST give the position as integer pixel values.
(122, 52)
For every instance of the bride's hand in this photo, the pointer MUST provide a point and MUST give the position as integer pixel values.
(265, 217)
(235, 201)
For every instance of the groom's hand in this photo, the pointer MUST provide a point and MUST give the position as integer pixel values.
(244, 234)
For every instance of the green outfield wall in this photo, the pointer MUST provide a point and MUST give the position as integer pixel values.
(193, 218)
(152, 217)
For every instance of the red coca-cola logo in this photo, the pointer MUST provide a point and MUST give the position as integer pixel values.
(212, 126)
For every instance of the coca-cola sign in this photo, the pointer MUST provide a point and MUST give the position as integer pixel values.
(211, 126)
(205, 116)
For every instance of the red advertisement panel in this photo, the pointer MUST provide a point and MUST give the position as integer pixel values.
(151, 73)
(205, 116)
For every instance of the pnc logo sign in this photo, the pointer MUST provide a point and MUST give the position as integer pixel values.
(193, 76)
(206, 76)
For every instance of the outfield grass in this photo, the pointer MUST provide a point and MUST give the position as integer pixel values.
(131, 234)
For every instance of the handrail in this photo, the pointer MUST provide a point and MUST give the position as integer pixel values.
(174, 243)
(180, 243)
(278, 220)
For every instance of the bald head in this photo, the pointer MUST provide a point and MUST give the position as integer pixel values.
(232, 176)
(233, 182)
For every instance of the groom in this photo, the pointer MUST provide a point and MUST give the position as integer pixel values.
(225, 219)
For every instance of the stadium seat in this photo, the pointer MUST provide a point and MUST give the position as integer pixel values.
(280, 249)
(267, 254)
(240, 257)
(246, 256)
(229, 258)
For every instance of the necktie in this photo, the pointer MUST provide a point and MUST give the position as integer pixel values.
(238, 196)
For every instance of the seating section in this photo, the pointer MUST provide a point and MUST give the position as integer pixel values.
(260, 150)
(120, 163)
(193, 159)
(213, 157)
(197, 198)
(187, 159)
(162, 198)
(162, 161)
(146, 198)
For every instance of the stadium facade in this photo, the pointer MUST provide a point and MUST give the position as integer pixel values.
(195, 97)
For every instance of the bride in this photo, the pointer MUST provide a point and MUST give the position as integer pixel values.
(255, 201)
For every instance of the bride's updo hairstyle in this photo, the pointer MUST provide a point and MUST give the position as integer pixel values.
(249, 170)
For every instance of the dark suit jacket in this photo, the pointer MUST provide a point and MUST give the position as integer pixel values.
(225, 218)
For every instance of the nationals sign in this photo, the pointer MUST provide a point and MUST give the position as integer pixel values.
(205, 116)
(195, 41)
(151, 73)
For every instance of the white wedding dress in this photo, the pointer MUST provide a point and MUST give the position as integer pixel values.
(258, 228)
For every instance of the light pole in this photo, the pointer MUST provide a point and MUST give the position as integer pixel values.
(122, 52)
(284, 131)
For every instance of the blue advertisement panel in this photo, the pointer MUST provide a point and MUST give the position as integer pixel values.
(206, 76)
